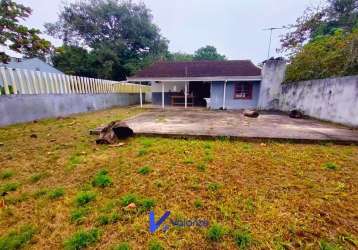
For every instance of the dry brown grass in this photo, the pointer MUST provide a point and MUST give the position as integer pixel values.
(280, 192)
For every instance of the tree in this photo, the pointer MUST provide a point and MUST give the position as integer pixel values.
(121, 33)
(180, 56)
(326, 56)
(16, 37)
(321, 21)
(208, 53)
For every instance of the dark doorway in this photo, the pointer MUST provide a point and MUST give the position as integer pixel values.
(199, 90)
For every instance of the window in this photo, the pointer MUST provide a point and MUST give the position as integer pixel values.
(243, 90)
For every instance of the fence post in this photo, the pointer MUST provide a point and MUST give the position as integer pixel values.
(19, 77)
(4, 78)
(14, 85)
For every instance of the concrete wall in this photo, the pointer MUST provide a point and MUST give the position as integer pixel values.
(333, 99)
(217, 90)
(273, 73)
(25, 108)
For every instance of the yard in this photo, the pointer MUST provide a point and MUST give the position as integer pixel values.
(61, 190)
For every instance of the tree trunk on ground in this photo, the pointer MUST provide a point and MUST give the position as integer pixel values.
(113, 132)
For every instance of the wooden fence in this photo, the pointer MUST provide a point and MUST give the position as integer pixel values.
(26, 82)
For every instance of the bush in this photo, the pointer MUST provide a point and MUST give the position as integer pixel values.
(326, 56)
(77, 216)
(155, 245)
(8, 187)
(82, 239)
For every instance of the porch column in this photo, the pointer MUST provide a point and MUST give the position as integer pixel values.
(224, 95)
(186, 94)
(162, 95)
(140, 94)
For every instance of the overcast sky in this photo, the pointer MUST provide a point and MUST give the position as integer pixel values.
(234, 27)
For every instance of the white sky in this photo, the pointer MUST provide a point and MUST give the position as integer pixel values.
(234, 27)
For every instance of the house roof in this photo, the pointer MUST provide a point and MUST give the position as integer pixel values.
(199, 69)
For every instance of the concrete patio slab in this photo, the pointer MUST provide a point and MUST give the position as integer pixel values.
(204, 123)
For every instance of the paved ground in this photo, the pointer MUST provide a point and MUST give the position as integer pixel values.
(200, 122)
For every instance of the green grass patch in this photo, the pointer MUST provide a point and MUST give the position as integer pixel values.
(214, 186)
(37, 177)
(17, 239)
(6, 174)
(102, 179)
(144, 170)
(216, 232)
(242, 238)
(201, 167)
(82, 239)
(84, 198)
(198, 203)
(325, 245)
(8, 187)
(155, 245)
(78, 215)
(56, 193)
(330, 166)
(122, 246)
(142, 203)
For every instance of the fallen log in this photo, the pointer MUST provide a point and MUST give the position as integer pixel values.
(113, 132)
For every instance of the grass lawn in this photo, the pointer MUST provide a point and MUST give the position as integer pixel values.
(61, 190)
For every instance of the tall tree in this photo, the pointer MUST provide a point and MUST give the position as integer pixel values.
(122, 32)
(16, 37)
(320, 21)
(208, 53)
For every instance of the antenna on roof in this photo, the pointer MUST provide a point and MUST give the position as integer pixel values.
(270, 40)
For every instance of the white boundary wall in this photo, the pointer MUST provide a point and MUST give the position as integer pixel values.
(332, 99)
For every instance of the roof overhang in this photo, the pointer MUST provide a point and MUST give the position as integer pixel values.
(195, 79)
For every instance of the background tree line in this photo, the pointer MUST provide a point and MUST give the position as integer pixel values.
(324, 42)
(108, 39)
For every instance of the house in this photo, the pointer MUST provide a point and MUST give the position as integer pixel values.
(34, 64)
(229, 84)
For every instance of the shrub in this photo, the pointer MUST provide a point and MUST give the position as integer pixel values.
(102, 179)
(17, 239)
(56, 193)
(83, 198)
(82, 239)
(216, 232)
(122, 246)
(6, 174)
(155, 245)
(242, 238)
(144, 170)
